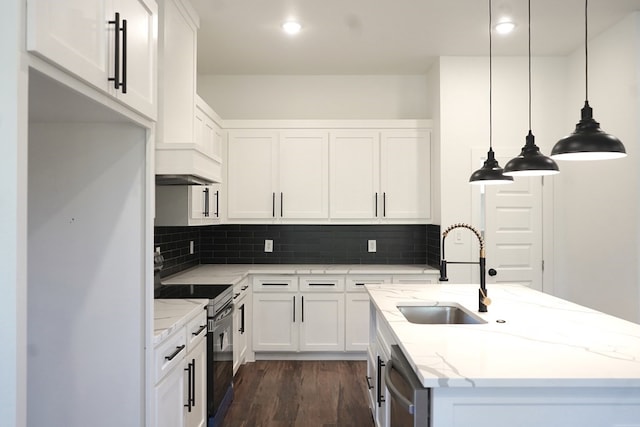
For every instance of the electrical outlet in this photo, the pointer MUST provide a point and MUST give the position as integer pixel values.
(268, 245)
(191, 249)
(458, 239)
(371, 245)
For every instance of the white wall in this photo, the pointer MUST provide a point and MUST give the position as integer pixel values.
(316, 97)
(464, 128)
(433, 82)
(13, 221)
(596, 203)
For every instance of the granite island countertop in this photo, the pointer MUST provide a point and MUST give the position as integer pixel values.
(171, 314)
(543, 342)
(231, 274)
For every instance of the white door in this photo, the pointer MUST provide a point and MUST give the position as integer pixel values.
(252, 178)
(354, 177)
(198, 358)
(405, 174)
(322, 321)
(274, 320)
(513, 231)
(304, 174)
(170, 398)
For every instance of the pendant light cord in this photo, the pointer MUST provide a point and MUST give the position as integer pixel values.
(586, 55)
(490, 85)
(529, 66)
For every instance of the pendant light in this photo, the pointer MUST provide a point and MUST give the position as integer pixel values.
(530, 162)
(588, 141)
(490, 173)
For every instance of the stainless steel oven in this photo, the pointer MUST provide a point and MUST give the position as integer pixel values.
(409, 401)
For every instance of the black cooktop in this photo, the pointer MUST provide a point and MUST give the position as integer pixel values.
(189, 291)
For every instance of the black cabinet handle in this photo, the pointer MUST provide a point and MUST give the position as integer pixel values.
(221, 340)
(196, 333)
(193, 383)
(217, 214)
(116, 69)
(384, 204)
(281, 204)
(274, 284)
(322, 284)
(206, 201)
(359, 284)
(369, 386)
(124, 56)
(380, 397)
(241, 319)
(302, 308)
(245, 287)
(294, 309)
(273, 205)
(376, 203)
(189, 386)
(175, 353)
(236, 295)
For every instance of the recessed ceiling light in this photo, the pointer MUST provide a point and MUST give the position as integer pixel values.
(504, 27)
(291, 27)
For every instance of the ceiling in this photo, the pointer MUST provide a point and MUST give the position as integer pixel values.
(384, 36)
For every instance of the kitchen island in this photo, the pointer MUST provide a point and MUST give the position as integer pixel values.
(537, 361)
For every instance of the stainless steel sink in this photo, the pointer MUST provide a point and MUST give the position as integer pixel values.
(439, 314)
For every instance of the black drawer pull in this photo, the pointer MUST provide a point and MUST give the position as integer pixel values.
(245, 287)
(175, 353)
(275, 284)
(360, 284)
(236, 295)
(196, 333)
(322, 284)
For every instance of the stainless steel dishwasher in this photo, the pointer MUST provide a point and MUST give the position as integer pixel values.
(409, 401)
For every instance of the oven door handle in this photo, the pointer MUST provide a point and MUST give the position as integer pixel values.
(393, 390)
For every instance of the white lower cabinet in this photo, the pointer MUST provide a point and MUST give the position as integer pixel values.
(357, 310)
(288, 320)
(181, 377)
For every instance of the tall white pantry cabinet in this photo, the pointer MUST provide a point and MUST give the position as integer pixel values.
(90, 70)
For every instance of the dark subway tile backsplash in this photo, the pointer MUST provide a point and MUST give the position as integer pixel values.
(298, 244)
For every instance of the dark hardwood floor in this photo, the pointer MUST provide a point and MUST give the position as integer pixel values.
(300, 394)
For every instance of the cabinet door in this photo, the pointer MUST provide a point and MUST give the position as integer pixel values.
(177, 74)
(74, 34)
(252, 174)
(170, 399)
(274, 322)
(405, 174)
(322, 321)
(199, 202)
(141, 18)
(354, 176)
(304, 174)
(197, 417)
(357, 321)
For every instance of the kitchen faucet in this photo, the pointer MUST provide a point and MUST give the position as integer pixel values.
(483, 300)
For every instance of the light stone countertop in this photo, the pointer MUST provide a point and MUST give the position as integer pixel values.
(231, 274)
(544, 342)
(172, 314)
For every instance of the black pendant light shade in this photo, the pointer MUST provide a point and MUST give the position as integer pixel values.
(531, 162)
(588, 141)
(490, 173)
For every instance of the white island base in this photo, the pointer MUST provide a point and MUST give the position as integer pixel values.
(537, 361)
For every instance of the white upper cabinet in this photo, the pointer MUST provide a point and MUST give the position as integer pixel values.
(383, 175)
(110, 44)
(303, 165)
(277, 174)
(251, 176)
(405, 174)
(355, 160)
